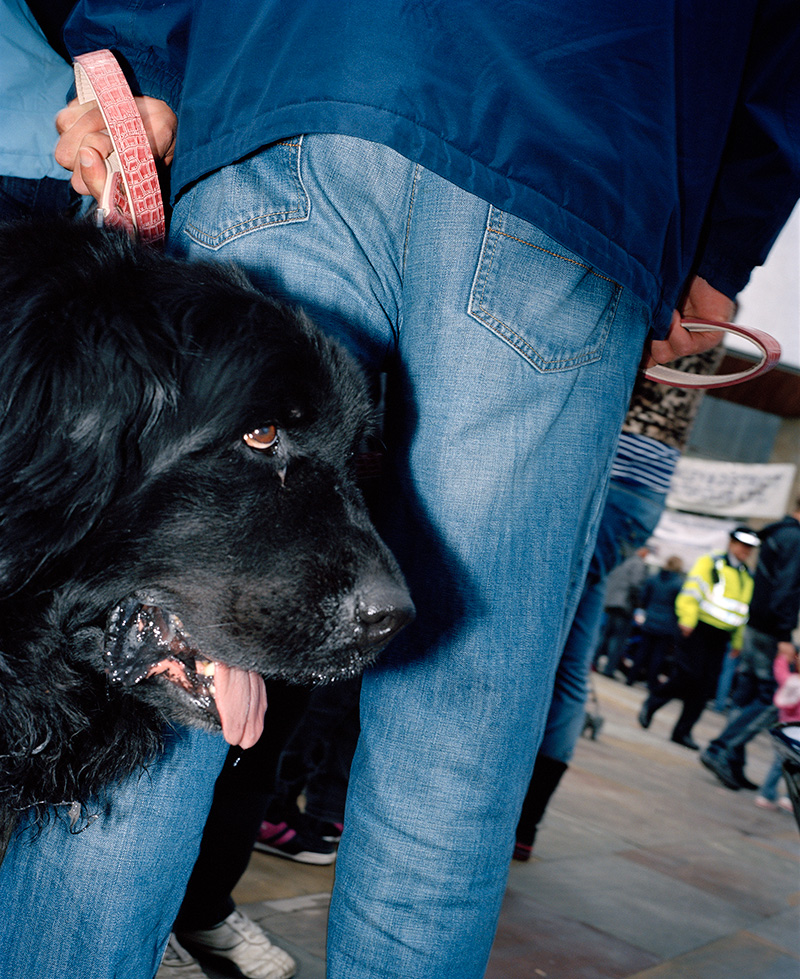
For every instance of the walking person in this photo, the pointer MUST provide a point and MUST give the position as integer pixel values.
(787, 705)
(774, 612)
(659, 627)
(623, 589)
(712, 608)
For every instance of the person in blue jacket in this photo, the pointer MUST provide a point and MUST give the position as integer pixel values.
(659, 626)
(498, 204)
(774, 611)
(33, 80)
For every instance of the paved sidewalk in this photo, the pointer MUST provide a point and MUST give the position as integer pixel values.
(645, 868)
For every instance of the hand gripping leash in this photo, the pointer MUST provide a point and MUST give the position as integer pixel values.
(132, 199)
(131, 195)
(769, 349)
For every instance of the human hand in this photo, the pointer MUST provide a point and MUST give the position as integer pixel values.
(788, 651)
(704, 302)
(84, 144)
(686, 630)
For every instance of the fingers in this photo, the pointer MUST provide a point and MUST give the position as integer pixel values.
(681, 342)
(84, 143)
(160, 124)
(90, 169)
(83, 147)
(708, 303)
(704, 302)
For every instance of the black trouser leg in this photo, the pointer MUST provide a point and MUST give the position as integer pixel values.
(547, 774)
(693, 707)
(243, 789)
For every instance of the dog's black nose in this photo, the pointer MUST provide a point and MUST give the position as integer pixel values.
(383, 608)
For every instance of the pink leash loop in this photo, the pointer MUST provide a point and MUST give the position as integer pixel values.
(768, 347)
(132, 195)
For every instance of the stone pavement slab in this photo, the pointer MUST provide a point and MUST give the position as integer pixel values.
(645, 867)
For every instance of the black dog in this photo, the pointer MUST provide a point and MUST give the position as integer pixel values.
(178, 508)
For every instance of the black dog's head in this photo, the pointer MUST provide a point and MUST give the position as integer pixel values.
(177, 503)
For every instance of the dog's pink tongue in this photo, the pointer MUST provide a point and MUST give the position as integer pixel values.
(241, 700)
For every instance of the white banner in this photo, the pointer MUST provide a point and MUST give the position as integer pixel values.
(688, 536)
(732, 489)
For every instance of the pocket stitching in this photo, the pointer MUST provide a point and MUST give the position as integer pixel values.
(506, 332)
(202, 236)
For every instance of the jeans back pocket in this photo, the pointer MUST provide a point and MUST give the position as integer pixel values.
(263, 189)
(548, 304)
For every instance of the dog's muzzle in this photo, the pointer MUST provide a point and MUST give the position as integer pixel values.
(144, 641)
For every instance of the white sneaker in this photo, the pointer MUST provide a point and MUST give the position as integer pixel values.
(763, 803)
(785, 803)
(178, 964)
(241, 941)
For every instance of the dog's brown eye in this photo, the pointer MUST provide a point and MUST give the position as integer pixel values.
(262, 438)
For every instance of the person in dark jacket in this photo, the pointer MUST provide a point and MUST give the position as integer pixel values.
(774, 612)
(659, 629)
(494, 203)
(623, 595)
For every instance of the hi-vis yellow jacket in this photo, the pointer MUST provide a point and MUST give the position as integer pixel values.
(716, 593)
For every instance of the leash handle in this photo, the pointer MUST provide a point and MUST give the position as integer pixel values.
(768, 347)
(131, 195)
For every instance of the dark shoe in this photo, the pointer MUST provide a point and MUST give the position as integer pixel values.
(522, 852)
(282, 840)
(645, 715)
(744, 781)
(719, 765)
(686, 740)
(547, 773)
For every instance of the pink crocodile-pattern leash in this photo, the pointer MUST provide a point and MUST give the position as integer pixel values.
(131, 196)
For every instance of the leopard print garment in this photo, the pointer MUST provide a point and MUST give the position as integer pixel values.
(666, 413)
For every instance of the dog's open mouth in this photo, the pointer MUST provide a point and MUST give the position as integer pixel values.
(144, 641)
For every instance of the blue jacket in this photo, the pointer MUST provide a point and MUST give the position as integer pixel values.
(652, 137)
(33, 83)
(658, 601)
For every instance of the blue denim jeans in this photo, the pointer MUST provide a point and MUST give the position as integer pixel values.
(510, 364)
(769, 787)
(99, 900)
(752, 710)
(629, 518)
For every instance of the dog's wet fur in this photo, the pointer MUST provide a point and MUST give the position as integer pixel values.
(174, 447)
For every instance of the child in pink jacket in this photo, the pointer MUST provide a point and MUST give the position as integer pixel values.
(787, 700)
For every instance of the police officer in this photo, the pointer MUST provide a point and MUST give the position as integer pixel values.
(712, 608)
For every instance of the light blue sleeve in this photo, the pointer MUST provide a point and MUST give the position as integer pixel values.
(34, 82)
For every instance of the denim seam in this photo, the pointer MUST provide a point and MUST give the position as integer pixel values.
(411, 201)
(549, 251)
(397, 325)
(502, 328)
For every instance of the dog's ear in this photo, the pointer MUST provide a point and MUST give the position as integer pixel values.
(75, 395)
